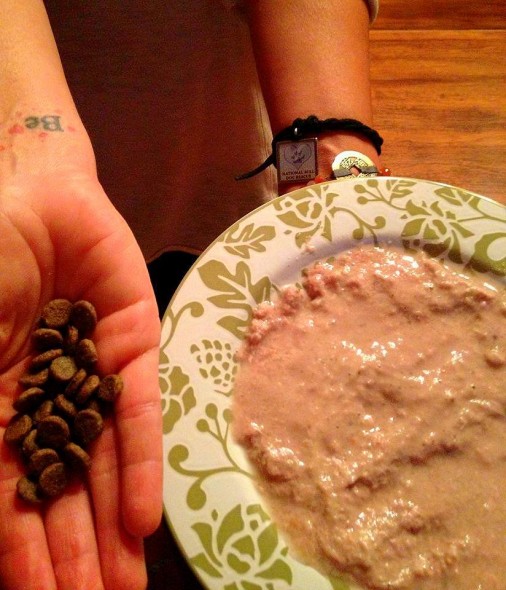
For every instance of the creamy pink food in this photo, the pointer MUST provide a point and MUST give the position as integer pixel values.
(372, 404)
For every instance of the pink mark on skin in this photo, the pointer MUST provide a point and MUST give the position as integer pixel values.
(16, 129)
(70, 128)
(43, 135)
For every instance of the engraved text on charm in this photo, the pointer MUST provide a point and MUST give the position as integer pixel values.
(296, 160)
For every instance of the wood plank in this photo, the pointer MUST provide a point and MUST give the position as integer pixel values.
(439, 102)
(441, 14)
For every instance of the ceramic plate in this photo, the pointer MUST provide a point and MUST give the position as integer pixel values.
(211, 503)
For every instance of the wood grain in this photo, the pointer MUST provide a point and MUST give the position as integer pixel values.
(441, 14)
(439, 103)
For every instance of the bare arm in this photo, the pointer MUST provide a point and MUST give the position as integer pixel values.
(313, 58)
(61, 237)
(33, 84)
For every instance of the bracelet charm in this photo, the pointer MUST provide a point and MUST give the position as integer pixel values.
(311, 127)
(351, 164)
(297, 161)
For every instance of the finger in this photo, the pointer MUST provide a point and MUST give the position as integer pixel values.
(25, 560)
(121, 554)
(139, 411)
(129, 341)
(72, 541)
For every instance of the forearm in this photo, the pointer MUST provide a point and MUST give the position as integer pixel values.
(313, 58)
(38, 118)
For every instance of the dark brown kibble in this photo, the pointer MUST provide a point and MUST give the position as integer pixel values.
(77, 457)
(34, 379)
(88, 424)
(44, 359)
(63, 369)
(47, 338)
(29, 444)
(86, 353)
(110, 387)
(53, 480)
(75, 383)
(27, 490)
(29, 399)
(18, 428)
(87, 389)
(56, 314)
(65, 406)
(71, 339)
(84, 316)
(59, 410)
(45, 409)
(53, 432)
(41, 459)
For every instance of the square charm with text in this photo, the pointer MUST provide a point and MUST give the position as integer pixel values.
(297, 160)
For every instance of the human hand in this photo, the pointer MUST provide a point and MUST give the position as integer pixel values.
(61, 237)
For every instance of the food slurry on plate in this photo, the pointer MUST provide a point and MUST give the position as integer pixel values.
(371, 403)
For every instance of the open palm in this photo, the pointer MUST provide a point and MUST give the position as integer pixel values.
(64, 239)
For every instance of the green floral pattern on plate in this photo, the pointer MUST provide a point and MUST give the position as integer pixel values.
(210, 498)
(217, 428)
(246, 542)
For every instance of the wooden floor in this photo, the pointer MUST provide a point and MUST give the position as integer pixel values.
(438, 71)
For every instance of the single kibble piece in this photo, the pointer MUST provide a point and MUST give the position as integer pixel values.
(45, 409)
(75, 383)
(53, 480)
(29, 444)
(53, 432)
(46, 339)
(29, 399)
(87, 389)
(63, 369)
(27, 490)
(45, 358)
(86, 353)
(56, 313)
(18, 428)
(84, 316)
(88, 424)
(41, 459)
(71, 339)
(34, 379)
(110, 387)
(65, 406)
(77, 457)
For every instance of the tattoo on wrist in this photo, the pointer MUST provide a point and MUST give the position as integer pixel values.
(46, 123)
(41, 125)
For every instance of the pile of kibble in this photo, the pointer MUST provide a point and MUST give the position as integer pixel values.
(63, 400)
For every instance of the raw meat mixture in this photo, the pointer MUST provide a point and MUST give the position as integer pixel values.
(372, 405)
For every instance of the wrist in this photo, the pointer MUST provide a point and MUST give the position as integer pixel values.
(331, 143)
(41, 138)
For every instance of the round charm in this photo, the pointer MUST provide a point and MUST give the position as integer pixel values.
(350, 163)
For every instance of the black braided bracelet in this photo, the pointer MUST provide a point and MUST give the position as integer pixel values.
(311, 127)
